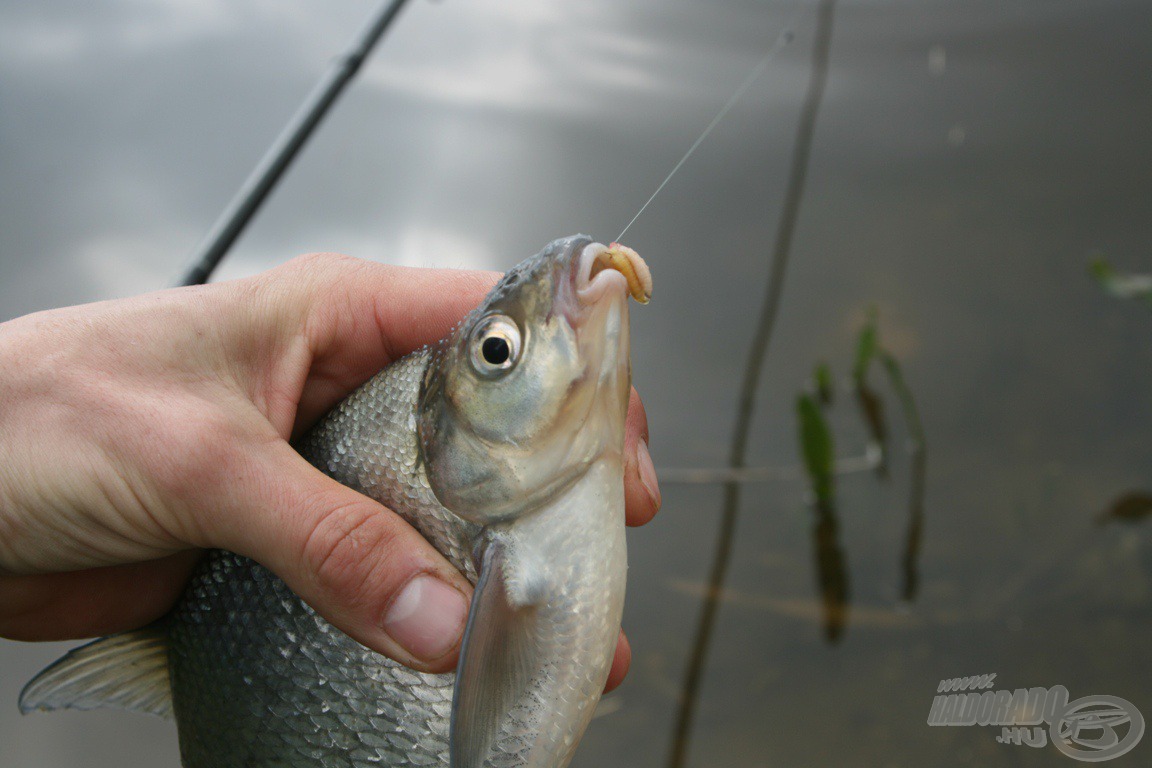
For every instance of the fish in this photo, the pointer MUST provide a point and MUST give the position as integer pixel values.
(503, 446)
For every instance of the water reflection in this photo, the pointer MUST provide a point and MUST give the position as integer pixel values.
(915, 533)
(831, 570)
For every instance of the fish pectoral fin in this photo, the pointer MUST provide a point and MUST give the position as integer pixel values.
(500, 654)
(124, 671)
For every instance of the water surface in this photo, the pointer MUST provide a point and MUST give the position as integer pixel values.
(967, 161)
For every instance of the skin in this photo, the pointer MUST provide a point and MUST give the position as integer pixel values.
(141, 431)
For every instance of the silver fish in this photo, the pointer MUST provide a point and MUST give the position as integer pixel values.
(503, 446)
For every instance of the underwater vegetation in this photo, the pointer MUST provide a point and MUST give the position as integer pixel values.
(817, 448)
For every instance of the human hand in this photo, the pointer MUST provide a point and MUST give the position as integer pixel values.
(138, 432)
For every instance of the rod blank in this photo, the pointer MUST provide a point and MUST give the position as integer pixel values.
(280, 155)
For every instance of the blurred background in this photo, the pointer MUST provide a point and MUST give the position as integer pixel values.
(898, 288)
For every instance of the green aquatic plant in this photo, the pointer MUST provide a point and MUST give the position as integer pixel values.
(1123, 286)
(868, 350)
(818, 451)
(816, 445)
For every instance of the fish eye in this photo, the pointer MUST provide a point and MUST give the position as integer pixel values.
(495, 345)
(495, 350)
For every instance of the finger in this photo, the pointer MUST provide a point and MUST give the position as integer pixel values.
(360, 315)
(620, 663)
(96, 601)
(641, 490)
(360, 565)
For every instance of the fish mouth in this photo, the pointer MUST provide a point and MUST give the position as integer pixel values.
(600, 268)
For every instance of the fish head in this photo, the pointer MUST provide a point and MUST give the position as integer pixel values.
(533, 385)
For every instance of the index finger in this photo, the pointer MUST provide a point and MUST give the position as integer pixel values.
(355, 317)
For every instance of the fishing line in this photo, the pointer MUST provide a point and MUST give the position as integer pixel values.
(781, 40)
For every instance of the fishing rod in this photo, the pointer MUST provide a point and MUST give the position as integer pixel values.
(284, 149)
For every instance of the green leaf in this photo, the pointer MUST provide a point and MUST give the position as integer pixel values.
(1101, 270)
(816, 447)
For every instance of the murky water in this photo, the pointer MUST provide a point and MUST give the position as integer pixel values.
(967, 161)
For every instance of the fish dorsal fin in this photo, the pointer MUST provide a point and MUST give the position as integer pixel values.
(124, 671)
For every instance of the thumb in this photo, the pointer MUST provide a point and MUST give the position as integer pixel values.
(356, 562)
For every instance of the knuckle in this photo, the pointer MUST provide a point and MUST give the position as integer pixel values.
(311, 282)
(346, 552)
